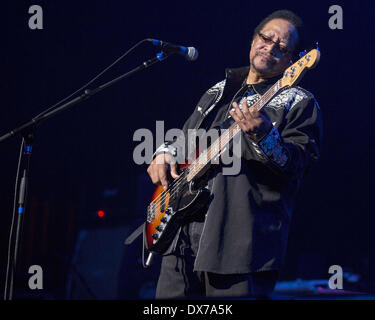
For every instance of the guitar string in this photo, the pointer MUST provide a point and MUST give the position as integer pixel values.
(172, 192)
(163, 195)
(176, 182)
(266, 97)
(258, 104)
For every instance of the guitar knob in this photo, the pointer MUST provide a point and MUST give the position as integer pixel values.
(155, 236)
(168, 211)
(164, 220)
(159, 228)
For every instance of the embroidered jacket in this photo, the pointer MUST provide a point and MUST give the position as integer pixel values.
(247, 222)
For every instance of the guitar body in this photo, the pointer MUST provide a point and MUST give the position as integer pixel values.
(172, 207)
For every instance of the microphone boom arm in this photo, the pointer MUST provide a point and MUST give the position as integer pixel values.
(87, 94)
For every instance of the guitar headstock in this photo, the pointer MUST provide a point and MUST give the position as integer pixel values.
(294, 73)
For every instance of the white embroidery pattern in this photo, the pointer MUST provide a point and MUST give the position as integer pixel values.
(251, 99)
(217, 87)
(218, 90)
(287, 99)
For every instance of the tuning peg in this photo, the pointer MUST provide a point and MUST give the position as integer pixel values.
(302, 53)
(317, 45)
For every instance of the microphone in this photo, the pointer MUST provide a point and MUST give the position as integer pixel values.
(190, 53)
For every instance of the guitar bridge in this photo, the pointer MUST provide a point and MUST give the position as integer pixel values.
(151, 211)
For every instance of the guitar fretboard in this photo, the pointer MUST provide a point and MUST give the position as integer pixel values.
(218, 146)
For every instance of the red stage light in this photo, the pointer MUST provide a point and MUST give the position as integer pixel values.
(100, 213)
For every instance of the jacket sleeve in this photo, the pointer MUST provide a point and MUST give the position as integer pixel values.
(291, 152)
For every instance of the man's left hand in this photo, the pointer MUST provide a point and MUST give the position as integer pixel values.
(256, 124)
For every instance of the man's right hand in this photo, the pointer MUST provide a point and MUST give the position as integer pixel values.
(162, 168)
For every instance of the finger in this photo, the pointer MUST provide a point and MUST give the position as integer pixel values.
(174, 173)
(151, 173)
(246, 111)
(234, 115)
(244, 105)
(238, 110)
(254, 112)
(163, 177)
(238, 120)
(160, 159)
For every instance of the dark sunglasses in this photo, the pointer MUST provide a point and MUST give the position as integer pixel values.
(267, 40)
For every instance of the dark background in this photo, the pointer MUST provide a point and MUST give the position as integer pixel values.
(83, 159)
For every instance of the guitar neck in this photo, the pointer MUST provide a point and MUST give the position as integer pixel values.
(218, 146)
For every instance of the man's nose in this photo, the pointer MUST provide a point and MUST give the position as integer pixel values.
(272, 49)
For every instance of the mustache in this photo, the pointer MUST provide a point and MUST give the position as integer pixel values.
(270, 58)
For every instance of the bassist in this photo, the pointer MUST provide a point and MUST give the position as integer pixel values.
(236, 246)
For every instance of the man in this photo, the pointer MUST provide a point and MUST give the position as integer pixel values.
(236, 247)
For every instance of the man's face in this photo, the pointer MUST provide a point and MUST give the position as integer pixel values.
(268, 59)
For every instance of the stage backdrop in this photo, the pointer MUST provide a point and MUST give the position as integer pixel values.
(82, 159)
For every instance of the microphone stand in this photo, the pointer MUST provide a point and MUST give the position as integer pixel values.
(27, 132)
